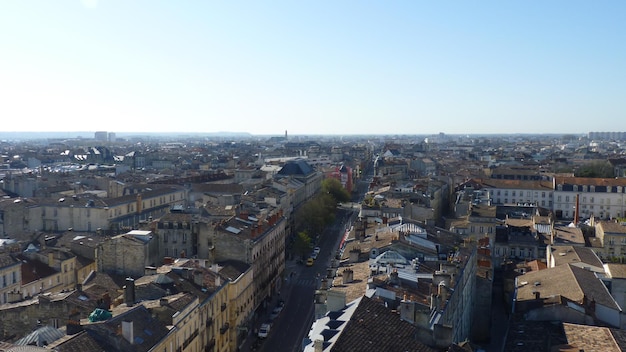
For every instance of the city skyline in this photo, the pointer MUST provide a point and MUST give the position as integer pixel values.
(324, 68)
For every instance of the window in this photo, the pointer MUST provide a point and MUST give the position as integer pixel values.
(543, 194)
(513, 193)
(567, 198)
(184, 237)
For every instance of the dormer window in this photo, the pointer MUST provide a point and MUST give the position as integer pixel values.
(592, 188)
(559, 187)
(575, 188)
(584, 188)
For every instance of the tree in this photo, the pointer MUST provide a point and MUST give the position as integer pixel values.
(333, 187)
(302, 244)
(602, 169)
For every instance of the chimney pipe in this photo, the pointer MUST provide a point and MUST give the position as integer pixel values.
(576, 211)
(128, 331)
(129, 292)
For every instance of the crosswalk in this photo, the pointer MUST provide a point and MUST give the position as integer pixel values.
(306, 282)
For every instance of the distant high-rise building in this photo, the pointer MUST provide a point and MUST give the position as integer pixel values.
(112, 137)
(101, 136)
(615, 136)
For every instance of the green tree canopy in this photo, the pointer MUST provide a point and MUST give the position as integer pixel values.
(333, 187)
(302, 244)
(601, 169)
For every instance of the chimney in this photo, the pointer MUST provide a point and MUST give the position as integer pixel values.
(129, 292)
(393, 278)
(318, 345)
(139, 203)
(79, 287)
(73, 323)
(407, 310)
(128, 331)
(163, 302)
(442, 293)
(576, 211)
(218, 281)
(347, 276)
(537, 295)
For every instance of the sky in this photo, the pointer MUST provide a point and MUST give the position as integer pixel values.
(313, 67)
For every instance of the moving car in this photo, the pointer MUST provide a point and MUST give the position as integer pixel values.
(264, 330)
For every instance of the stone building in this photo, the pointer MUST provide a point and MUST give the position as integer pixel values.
(258, 240)
(129, 253)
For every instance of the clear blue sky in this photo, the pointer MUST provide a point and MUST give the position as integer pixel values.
(313, 67)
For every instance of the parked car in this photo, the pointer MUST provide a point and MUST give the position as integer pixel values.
(309, 262)
(264, 330)
(314, 255)
(316, 250)
(275, 312)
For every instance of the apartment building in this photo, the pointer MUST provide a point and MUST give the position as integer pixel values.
(612, 237)
(539, 193)
(11, 276)
(603, 198)
(255, 239)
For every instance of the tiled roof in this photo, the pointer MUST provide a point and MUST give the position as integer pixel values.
(536, 336)
(568, 235)
(218, 188)
(147, 331)
(80, 342)
(33, 270)
(612, 227)
(7, 260)
(572, 254)
(567, 281)
(617, 271)
(590, 181)
(590, 338)
(517, 184)
(374, 328)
